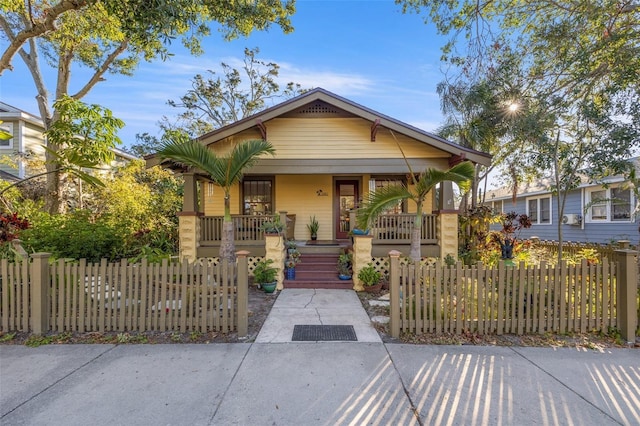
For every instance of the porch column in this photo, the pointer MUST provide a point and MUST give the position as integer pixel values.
(189, 220)
(447, 222)
(274, 250)
(190, 197)
(189, 235)
(361, 257)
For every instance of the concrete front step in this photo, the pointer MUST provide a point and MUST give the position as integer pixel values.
(324, 284)
(318, 270)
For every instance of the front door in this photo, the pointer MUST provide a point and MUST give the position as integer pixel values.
(346, 197)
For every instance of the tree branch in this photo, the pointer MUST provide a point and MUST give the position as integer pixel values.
(38, 28)
(97, 76)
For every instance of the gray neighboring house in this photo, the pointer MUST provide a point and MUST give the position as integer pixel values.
(593, 213)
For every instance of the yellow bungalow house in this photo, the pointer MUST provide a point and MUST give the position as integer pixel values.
(329, 153)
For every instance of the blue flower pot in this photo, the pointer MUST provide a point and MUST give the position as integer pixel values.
(290, 273)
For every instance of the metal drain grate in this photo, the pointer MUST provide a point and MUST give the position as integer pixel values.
(323, 333)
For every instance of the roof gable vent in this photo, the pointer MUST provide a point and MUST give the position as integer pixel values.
(318, 109)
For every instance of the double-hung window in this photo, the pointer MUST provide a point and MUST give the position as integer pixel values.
(539, 210)
(257, 196)
(609, 204)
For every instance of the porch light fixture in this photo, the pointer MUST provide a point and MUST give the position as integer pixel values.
(321, 193)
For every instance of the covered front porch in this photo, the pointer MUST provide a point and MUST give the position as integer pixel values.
(389, 232)
(333, 202)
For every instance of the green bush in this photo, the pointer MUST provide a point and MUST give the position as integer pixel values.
(75, 235)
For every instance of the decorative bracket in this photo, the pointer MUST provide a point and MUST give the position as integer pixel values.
(374, 129)
(457, 159)
(262, 128)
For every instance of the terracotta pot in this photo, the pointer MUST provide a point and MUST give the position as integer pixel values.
(373, 288)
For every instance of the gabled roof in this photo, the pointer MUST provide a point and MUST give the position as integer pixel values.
(352, 108)
(542, 186)
(8, 112)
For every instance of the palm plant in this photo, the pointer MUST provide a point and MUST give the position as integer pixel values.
(224, 171)
(383, 198)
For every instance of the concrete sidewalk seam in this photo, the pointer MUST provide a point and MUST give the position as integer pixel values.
(226, 390)
(414, 409)
(58, 381)
(514, 349)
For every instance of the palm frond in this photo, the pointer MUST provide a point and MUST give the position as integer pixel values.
(191, 154)
(380, 200)
(460, 174)
(245, 155)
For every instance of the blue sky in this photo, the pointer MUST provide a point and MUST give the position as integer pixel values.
(366, 51)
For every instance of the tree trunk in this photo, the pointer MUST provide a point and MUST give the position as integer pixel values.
(227, 245)
(415, 253)
(52, 195)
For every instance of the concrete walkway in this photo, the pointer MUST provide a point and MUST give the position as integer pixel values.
(326, 383)
(316, 307)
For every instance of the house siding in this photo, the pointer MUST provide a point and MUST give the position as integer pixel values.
(11, 149)
(292, 189)
(587, 232)
(344, 138)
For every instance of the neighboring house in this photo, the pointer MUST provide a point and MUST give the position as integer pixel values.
(593, 213)
(27, 142)
(329, 152)
(27, 139)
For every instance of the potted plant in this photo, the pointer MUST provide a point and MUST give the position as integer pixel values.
(313, 226)
(265, 275)
(344, 266)
(293, 258)
(272, 226)
(370, 278)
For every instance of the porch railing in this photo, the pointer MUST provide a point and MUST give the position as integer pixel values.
(246, 228)
(396, 229)
(387, 229)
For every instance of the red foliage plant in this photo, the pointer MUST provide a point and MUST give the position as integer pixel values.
(10, 226)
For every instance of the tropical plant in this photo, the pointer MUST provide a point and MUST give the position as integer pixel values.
(224, 171)
(369, 275)
(345, 263)
(264, 273)
(272, 226)
(313, 226)
(293, 254)
(383, 198)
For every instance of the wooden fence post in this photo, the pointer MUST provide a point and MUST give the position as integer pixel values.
(394, 293)
(39, 284)
(243, 292)
(627, 279)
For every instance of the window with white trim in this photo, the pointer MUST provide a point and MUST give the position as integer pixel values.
(497, 207)
(539, 210)
(6, 143)
(609, 204)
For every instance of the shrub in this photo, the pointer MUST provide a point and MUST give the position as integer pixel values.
(75, 236)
